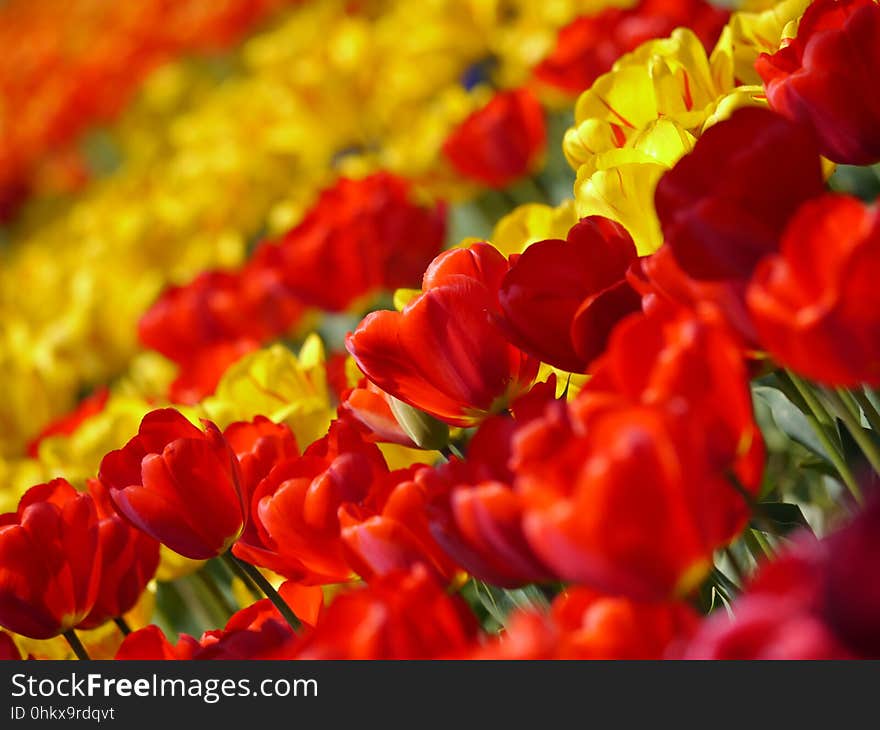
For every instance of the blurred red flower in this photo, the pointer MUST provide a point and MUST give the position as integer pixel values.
(400, 616)
(583, 624)
(66, 425)
(815, 304)
(588, 47)
(500, 142)
(361, 237)
(725, 205)
(823, 78)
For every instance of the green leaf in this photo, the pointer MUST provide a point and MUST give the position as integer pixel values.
(790, 420)
(783, 517)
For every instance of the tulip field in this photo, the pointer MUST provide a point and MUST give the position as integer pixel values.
(460, 329)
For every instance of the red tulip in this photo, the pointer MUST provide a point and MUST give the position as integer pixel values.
(825, 78)
(588, 46)
(259, 445)
(584, 624)
(400, 616)
(500, 142)
(725, 205)
(129, 559)
(296, 507)
(178, 484)
(621, 498)
(815, 304)
(694, 369)
(445, 354)
(475, 513)
(561, 299)
(150, 643)
(50, 560)
(361, 237)
(398, 536)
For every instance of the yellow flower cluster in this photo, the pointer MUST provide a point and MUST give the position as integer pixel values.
(329, 89)
(637, 120)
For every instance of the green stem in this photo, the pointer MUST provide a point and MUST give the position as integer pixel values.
(123, 625)
(866, 444)
(870, 412)
(815, 419)
(76, 645)
(257, 577)
(238, 572)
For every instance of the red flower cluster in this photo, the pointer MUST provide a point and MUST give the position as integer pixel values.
(603, 500)
(364, 235)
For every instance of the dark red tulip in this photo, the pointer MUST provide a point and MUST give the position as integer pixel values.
(179, 484)
(500, 142)
(50, 561)
(400, 616)
(445, 353)
(662, 281)
(361, 237)
(724, 206)
(825, 78)
(129, 559)
(816, 303)
(561, 299)
(851, 591)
